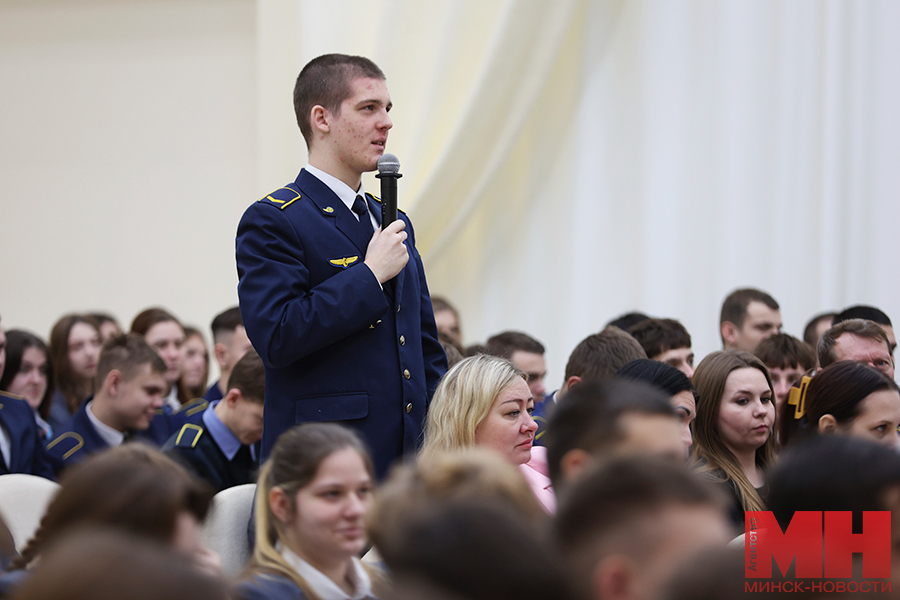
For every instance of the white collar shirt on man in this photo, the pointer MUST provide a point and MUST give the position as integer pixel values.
(111, 436)
(342, 191)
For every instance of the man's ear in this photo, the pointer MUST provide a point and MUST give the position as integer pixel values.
(113, 382)
(571, 381)
(220, 351)
(613, 578)
(232, 397)
(574, 462)
(729, 332)
(281, 505)
(827, 424)
(320, 118)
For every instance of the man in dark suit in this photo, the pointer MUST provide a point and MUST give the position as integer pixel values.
(336, 305)
(127, 404)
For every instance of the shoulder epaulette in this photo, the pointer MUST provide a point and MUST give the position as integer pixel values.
(193, 407)
(12, 396)
(282, 197)
(188, 436)
(69, 443)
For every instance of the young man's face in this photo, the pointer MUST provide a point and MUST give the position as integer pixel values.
(247, 421)
(759, 323)
(360, 131)
(783, 379)
(139, 398)
(680, 358)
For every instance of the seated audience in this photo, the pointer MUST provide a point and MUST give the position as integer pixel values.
(626, 528)
(447, 320)
(195, 374)
(787, 359)
(748, 317)
(485, 401)
(666, 340)
(870, 313)
(219, 447)
(108, 326)
(597, 421)
(313, 494)
(28, 374)
(674, 383)
(596, 357)
(526, 353)
(132, 489)
(860, 340)
(847, 397)
(230, 343)
(818, 325)
(164, 333)
(628, 320)
(132, 382)
(733, 438)
(101, 564)
(74, 351)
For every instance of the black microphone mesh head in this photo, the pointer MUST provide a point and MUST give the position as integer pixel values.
(388, 164)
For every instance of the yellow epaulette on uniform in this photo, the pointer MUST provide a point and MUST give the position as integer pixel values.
(188, 436)
(193, 407)
(69, 441)
(282, 197)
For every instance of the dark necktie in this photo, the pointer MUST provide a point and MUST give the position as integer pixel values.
(361, 208)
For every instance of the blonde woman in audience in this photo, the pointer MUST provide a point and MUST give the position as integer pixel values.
(74, 351)
(133, 489)
(733, 434)
(485, 401)
(311, 500)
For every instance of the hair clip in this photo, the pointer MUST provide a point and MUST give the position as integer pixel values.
(797, 397)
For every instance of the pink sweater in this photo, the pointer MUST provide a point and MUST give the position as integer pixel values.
(537, 476)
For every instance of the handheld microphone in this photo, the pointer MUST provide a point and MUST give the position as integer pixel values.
(388, 173)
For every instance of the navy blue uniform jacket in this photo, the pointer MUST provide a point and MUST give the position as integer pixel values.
(77, 439)
(25, 446)
(335, 345)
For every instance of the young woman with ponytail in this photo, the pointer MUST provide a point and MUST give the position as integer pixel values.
(311, 500)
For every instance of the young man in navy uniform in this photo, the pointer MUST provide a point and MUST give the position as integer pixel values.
(128, 403)
(336, 305)
(219, 446)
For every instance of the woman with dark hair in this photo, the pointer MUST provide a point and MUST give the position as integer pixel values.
(74, 352)
(311, 500)
(131, 488)
(164, 333)
(847, 397)
(733, 438)
(28, 373)
(196, 366)
(673, 382)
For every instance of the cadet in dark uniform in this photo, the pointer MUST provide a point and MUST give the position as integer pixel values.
(230, 343)
(336, 305)
(20, 440)
(218, 445)
(128, 403)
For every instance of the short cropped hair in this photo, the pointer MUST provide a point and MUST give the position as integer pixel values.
(628, 320)
(226, 322)
(600, 355)
(809, 332)
(249, 377)
(862, 311)
(127, 354)
(660, 335)
(784, 351)
(859, 327)
(734, 308)
(326, 81)
(506, 343)
(588, 418)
